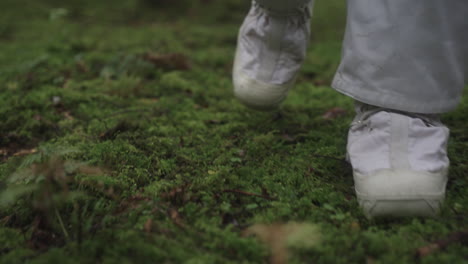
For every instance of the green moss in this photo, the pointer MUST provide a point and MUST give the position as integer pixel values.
(184, 168)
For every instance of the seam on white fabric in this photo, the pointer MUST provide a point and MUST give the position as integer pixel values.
(440, 173)
(272, 51)
(425, 196)
(399, 132)
(310, 7)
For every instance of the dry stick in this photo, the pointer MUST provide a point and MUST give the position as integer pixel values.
(441, 244)
(129, 111)
(172, 214)
(249, 194)
(64, 230)
(329, 157)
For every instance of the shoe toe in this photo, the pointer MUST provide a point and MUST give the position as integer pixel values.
(400, 208)
(401, 193)
(259, 95)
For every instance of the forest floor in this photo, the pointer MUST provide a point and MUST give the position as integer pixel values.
(121, 142)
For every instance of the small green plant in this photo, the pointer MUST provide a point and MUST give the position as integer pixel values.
(46, 185)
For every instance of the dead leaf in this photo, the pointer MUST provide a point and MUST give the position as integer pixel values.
(177, 193)
(23, 152)
(148, 100)
(132, 203)
(176, 218)
(288, 138)
(90, 170)
(241, 153)
(355, 226)
(282, 237)
(320, 82)
(215, 122)
(113, 132)
(370, 260)
(457, 237)
(169, 62)
(6, 219)
(67, 115)
(148, 226)
(82, 67)
(334, 113)
(249, 194)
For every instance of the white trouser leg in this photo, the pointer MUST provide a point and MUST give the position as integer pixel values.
(405, 55)
(282, 5)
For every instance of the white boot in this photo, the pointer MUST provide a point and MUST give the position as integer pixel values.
(270, 50)
(399, 161)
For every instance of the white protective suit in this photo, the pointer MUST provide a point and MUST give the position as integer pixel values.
(404, 61)
(408, 55)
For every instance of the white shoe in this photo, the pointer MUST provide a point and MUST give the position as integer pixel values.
(399, 160)
(270, 50)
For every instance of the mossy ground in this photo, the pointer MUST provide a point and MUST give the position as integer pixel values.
(138, 152)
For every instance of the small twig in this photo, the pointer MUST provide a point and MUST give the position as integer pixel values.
(176, 219)
(249, 194)
(5, 220)
(103, 119)
(61, 224)
(129, 111)
(79, 231)
(442, 244)
(330, 157)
